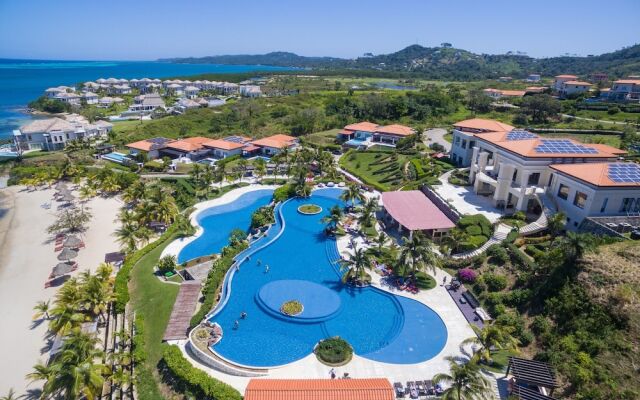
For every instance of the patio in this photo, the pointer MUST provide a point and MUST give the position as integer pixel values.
(465, 201)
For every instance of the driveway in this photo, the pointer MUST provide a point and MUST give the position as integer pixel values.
(436, 135)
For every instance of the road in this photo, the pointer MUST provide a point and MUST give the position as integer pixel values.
(436, 135)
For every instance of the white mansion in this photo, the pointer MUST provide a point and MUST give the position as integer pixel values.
(54, 133)
(516, 168)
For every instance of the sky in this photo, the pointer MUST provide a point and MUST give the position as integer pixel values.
(148, 30)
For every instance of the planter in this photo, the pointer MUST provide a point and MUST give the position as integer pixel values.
(309, 209)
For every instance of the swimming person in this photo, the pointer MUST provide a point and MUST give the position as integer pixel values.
(243, 315)
(236, 324)
(266, 269)
(259, 261)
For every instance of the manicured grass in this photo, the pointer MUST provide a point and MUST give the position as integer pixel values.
(425, 281)
(500, 361)
(309, 209)
(154, 300)
(376, 168)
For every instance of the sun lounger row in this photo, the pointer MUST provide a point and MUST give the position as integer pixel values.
(417, 389)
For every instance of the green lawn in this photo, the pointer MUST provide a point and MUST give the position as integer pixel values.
(153, 300)
(323, 138)
(376, 168)
(500, 361)
(448, 137)
(605, 116)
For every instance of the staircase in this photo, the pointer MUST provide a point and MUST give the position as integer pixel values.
(548, 209)
(500, 234)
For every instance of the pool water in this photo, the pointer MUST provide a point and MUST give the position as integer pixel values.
(116, 157)
(219, 221)
(379, 325)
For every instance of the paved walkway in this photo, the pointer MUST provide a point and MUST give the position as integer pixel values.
(465, 201)
(436, 135)
(500, 234)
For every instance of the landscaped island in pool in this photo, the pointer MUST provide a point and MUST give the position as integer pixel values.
(302, 266)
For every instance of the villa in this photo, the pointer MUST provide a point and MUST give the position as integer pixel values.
(411, 211)
(250, 91)
(364, 134)
(54, 91)
(53, 133)
(68, 97)
(90, 97)
(625, 90)
(572, 87)
(120, 89)
(559, 80)
(223, 148)
(107, 101)
(147, 103)
(184, 104)
(175, 89)
(517, 169)
(191, 92)
(533, 78)
(149, 147)
(498, 93)
(190, 148)
(272, 145)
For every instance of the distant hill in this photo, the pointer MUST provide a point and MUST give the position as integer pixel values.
(447, 63)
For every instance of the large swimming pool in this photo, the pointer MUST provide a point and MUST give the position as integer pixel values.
(302, 265)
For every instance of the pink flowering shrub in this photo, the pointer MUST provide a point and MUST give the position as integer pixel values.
(467, 275)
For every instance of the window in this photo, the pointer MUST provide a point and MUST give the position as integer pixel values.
(563, 191)
(472, 143)
(534, 178)
(627, 204)
(580, 200)
(464, 144)
(457, 139)
(604, 204)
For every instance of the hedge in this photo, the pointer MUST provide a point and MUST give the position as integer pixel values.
(519, 257)
(418, 166)
(137, 351)
(213, 282)
(284, 192)
(193, 380)
(121, 283)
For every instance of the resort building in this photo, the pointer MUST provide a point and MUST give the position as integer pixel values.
(272, 145)
(190, 148)
(498, 93)
(54, 91)
(250, 91)
(599, 77)
(625, 90)
(517, 169)
(175, 89)
(146, 103)
(149, 147)
(53, 133)
(411, 211)
(574, 87)
(107, 101)
(535, 89)
(191, 92)
(183, 104)
(364, 134)
(68, 97)
(334, 389)
(559, 80)
(223, 148)
(120, 89)
(90, 97)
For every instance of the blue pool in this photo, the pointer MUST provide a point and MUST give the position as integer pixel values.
(380, 326)
(116, 157)
(219, 221)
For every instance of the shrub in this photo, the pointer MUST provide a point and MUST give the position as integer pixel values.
(495, 282)
(263, 216)
(533, 251)
(467, 275)
(520, 216)
(519, 258)
(498, 254)
(473, 230)
(284, 192)
(512, 236)
(517, 297)
(477, 241)
(191, 379)
(334, 350)
(525, 338)
(167, 264)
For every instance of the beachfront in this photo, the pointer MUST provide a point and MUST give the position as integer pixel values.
(26, 258)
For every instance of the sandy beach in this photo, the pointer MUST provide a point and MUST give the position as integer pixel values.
(26, 258)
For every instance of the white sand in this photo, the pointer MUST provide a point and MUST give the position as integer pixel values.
(26, 259)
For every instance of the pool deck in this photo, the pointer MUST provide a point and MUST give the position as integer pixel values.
(437, 299)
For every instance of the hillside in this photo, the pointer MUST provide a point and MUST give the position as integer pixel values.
(447, 63)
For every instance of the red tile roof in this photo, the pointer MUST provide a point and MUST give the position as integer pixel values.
(189, 144)
(485, 125)
(364, 126)
(526, 148)
(223, 144)
(319, 389)
(278, 141)
(594, 173)
(413, 210)
(628, 81)
(395, 129)
(567, 76)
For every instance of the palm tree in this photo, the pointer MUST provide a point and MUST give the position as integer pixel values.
(466, 382)
(488, 339)
(41, 372)
(575, 245)
(333, 219)
(368, 211)
(127, 236)
(351, 195)
(261, 168)
(417, 253)
(355, 265)
(556, 223)
(11, 395)
(42, 310)
(303, 190)
(243, 167)
(381, 240)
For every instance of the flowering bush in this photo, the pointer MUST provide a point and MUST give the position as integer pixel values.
(467, 275)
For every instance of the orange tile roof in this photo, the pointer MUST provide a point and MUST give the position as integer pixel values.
(141, 145)
(223, 144)
(364, 126)
(518, 93)
(608, 149)
(535, 89)
(278, 141)
(628, 81)
(184, 145)
(526, 148)
(196, 139)
(486, 125)
(579, 83)
(395, 129)
(594, 173)
(319, 389)
(567, 76)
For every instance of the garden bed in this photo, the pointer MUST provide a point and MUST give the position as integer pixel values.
(309, 209)
(292, 308)
(334, 351)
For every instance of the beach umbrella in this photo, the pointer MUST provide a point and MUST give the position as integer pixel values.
(67, 254)
(72, 242)
(62, 269)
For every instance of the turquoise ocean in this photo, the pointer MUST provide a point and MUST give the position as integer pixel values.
(24, 80)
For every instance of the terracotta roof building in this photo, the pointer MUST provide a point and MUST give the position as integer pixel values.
(272, 145)
(319, 389)
(364, 134)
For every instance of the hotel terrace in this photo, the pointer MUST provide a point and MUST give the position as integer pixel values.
(517, 169)
(365, 134)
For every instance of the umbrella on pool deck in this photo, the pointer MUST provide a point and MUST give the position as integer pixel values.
(62, 269)
(72, 242)
(67, 254)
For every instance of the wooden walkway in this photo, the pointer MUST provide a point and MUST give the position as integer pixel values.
(182, 311)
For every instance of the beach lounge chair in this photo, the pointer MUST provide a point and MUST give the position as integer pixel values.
(397, 386)
(412, 389)
(428, 386)
(422, 391)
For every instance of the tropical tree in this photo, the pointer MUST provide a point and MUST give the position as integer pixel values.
(368, 211)
(465, 381)
(333, 220)
(417, 252)
(355, 266)
(10, 396)
(42, 310)
(575, 245)
(261, 168)
(127, 236)
(555, 223)
(303, 190)
(351, 195)
(489, 339)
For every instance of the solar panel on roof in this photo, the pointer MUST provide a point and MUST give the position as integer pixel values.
(521, 135)
(624, 173)
(563, 146)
